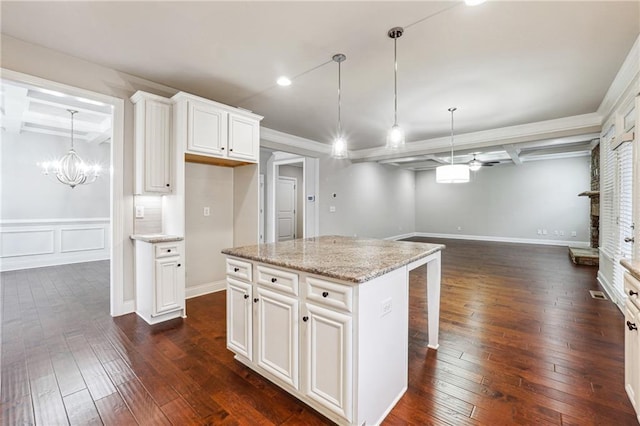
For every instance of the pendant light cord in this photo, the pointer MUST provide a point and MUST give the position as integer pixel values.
(339, 98)
(72, 114)
(452, 110)
(395, 81)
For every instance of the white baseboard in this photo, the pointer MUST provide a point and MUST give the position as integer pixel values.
(503, 239)
(401, 237)
(15, 263)
(206, 288)
(613, 295)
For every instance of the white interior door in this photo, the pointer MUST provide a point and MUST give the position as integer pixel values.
(286, 208)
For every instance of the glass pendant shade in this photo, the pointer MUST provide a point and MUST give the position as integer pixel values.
(395, 137)
(70, 169)
(452, 173)
(339, 148)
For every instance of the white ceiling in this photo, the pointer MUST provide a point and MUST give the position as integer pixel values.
(503, 63)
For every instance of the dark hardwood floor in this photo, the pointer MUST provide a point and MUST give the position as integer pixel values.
(521, 343)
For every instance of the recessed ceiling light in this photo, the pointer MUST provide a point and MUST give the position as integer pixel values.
(474, 2)
(52, 93)
(283, 81)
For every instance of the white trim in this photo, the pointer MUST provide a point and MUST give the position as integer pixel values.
(206, 288)
(502, 239)
(549, 129)
(625, 76)
(613, 295)
(275, 139)
(17, 263)
(9, 222)
(119, 306)
(400, 237)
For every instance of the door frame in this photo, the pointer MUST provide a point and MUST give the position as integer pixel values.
(295, 206)
(117, 305)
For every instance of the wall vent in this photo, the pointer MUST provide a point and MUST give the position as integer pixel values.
(597, 295)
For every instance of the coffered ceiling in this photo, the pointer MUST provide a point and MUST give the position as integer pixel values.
(502, 64)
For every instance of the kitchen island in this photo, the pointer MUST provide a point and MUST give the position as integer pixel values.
(327, 319)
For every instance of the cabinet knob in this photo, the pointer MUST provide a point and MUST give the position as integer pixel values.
(246, 296)
(236, 269)
(230, 149)
(274, 279)
(168, 185)
(325, 293)
(633, 293)
(632, 325)
(179, 264)
(222, 148)
(169, 251)
(255, 300)
(305, 318)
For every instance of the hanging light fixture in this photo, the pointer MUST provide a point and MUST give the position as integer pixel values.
(452, 173)
(70, 169)
(395, 136)
(339, 149)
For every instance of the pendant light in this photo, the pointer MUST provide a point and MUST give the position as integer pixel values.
(452, 173)
(395, 136)
(339, 149)
(70, 169)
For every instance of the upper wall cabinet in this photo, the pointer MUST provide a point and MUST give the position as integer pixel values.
(153, 147)
(211, 129)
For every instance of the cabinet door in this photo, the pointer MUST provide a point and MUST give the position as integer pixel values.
(206, 129)
(169, 290)
(157, 147)
(277, 326)
(632, 354)
(244, 138)
(329, 359)
(239, 316)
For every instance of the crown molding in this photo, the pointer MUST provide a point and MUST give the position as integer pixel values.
(625, 78)
(275, 139)
(560, 127)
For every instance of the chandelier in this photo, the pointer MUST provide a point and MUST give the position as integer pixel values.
(70, 169)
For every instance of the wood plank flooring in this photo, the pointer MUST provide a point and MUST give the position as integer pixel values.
(521, 343)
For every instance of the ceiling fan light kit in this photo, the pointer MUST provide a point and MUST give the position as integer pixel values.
(452, 173)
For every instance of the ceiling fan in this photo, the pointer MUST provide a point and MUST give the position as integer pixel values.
(475, 164)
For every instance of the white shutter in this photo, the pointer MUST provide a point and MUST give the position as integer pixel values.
(607, 195)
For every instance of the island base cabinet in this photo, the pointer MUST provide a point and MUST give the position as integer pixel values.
(277, 325)
(632, 341)
(239, 318)
(329, 359)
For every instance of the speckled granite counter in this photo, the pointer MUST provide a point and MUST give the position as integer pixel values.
(345, 258)
(633, 266)
(156, 238)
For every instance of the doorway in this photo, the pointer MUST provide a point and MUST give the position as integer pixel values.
(286, 205)
(46, 223)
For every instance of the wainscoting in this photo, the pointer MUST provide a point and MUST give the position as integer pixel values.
(31, 243)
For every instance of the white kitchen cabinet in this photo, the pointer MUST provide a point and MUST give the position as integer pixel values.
(632, 341)
(160, 284)
(153, 143)
(277, 335)
(211, 129)
(239, 317)
(329, 356)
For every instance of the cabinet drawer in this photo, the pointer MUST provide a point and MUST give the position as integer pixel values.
(330, 294)
(167, 250)
(631, 288)
(239, 269)
(280, 280)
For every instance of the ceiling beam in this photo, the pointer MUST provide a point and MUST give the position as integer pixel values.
(513, 153)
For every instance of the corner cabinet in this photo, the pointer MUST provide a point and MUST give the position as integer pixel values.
(160, 281)
(632, 341)
(153, 143)
(211, 129)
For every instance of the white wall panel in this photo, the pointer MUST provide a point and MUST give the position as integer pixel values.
(26, 242)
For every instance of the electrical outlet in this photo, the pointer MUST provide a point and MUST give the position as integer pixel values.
(544, 232)
(206, 211)
(459, 228)
(556, 233)
(139, 212)
(574, 234)
(385, 307)
(562, 233)
(539, 231)
(332, 209)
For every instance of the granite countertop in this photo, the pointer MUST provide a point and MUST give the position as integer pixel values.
(633, 266)
(156, 238)
(349, 259)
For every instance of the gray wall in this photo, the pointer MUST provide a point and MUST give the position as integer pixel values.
(372, 200)
(509, 201)
(27, 194)
(296, 172)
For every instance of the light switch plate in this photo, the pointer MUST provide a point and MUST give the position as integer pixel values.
(206, 211)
